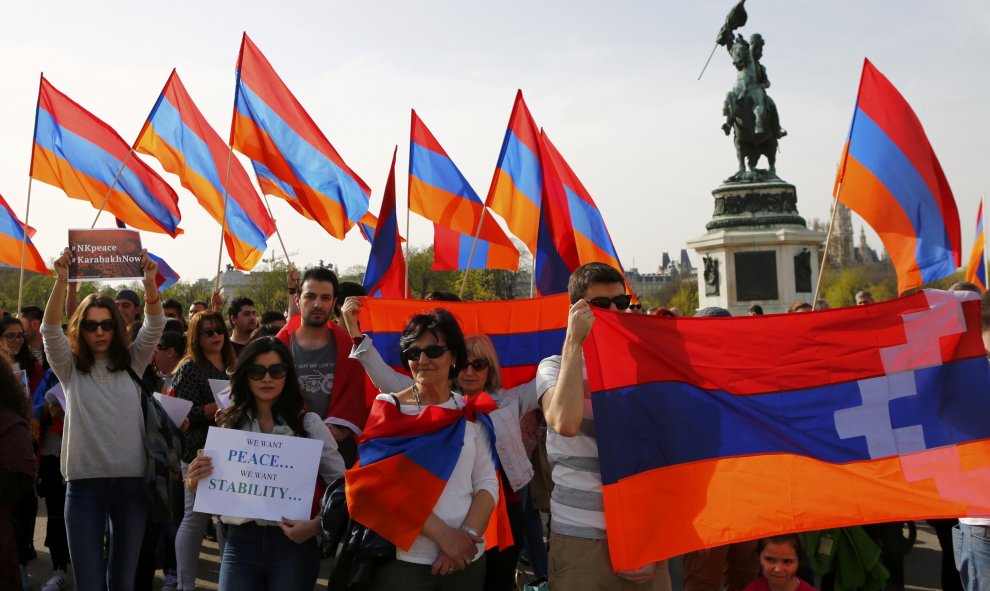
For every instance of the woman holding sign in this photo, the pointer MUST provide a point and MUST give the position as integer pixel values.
(209, 355)
(262, 554)
(103, 453)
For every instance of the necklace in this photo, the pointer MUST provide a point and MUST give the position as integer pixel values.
(415, 393)
(101, 378)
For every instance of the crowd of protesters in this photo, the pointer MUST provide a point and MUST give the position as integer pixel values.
(72, 432)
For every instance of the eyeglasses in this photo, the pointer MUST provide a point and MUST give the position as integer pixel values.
(635, 306)
(478, 364)
(432, 352)
(621, 302)
(13, 336)
(257, 372)
(91, 325)
(210, 332)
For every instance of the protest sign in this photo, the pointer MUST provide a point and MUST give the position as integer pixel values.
(259, 476)
(56, 395)
(104, 254)
(24, 382)
(177, 409)
(221, 393)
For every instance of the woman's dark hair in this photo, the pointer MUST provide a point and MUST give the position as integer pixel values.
(441, 324)
(173, 340)
(118, 355)
(23, 356)
(289, 405)
(264, 330)
(12, 392)
(195, 352)
(791, 539)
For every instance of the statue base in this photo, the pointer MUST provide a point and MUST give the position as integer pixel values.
(758, 250)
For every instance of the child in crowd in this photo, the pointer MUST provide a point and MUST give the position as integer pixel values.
(779, 560)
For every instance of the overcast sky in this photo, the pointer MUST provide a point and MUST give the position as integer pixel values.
(613, 83)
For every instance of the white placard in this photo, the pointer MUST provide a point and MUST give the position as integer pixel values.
(177, 409)
(259, 476)
(57, 395)
(221, 393)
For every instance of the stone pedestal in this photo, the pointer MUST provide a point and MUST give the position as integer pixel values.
(758, 250)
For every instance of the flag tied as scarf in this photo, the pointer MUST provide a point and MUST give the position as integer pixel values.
(712, 431)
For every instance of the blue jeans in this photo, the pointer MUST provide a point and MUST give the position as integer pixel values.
(88, 504)
(260, 557)
(971, 546)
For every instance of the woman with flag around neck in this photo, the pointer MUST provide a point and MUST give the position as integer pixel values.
(433, 497)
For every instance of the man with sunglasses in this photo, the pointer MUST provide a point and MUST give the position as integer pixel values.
(332, 384)
(578, 541)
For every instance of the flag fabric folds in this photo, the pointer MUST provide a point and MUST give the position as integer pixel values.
(572, 230)
(78, 153)
(13, 241)
(271, 128)
(850, 416)
(524, 332)
(517, 188)
(166, 277)
(385, 276)
(890, 176)
(405, 462)
(177, 134)
(976, 269)
(439, 192)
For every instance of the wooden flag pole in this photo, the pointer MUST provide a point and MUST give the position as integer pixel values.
(474, 243)
(223, 222)
(408, 240)
(828, 239)
(277, 232)
(112, 185)
(27, 211)
(983, 208)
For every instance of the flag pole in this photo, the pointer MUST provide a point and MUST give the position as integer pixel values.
(223, 223)
(828, 239)
(277, 232)
(983, 209)
(112, 185)
(408, 240)
(27, 211)
(474, 243)
(710, 55)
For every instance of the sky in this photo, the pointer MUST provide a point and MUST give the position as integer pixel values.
(614, 84)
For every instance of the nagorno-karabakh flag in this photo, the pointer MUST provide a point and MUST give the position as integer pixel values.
(405, 462)
(712, 431)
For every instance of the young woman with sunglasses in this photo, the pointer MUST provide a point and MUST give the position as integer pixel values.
(262, 555)
(15, 346)
(209, 355)
(103, 453)
(481, 372)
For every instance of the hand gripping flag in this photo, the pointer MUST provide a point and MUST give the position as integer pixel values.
(177, 134)
(13, 241)
(385, 276)
(976, 270)
(166, 277)
(405, 462)
(890, 176)
(713, 431)
(572, 230)
(78, 153)
(271, 128)
(517, 187)
(439, 192)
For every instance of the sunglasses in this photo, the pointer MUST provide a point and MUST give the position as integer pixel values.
(257, 372)
(13, 336)
(621, 302)
(91, 325)
(478, 364)
(432, 352)
(210, 332)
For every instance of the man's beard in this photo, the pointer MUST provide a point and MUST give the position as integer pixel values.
(308, 319)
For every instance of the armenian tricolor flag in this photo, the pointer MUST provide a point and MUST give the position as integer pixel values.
(890, 176)
(13, 241)
(439, 192)
(177, 134)
(976, 270)
(78, 153)
(517, 188)
(385, 276)
(271, 128)
(731, 429)
(166, 276)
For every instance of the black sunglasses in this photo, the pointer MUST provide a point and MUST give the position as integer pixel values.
(210, 332)
(432, 351)
(621, 302)
(478, 364)
(276, 370)
(91, 325)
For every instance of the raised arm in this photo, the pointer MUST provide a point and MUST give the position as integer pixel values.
(382, 375)
(563, 399)
(56, 301)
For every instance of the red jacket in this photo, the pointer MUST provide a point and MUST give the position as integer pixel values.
(349, 396)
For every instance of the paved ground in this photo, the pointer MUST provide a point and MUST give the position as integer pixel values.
(921, 564)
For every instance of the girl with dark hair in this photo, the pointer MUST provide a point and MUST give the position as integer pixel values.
(780, 557)
(17, 469)
(103, 455)
(260, 554)
(14, 344)
(209, 355)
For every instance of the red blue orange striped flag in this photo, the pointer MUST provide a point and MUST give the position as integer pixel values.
(724, 430)
(439, 192)
(177, 134)
(13, 242)
(385, 276)
(976, 270)
(890, 176)
(273, 129)
(78, 153)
